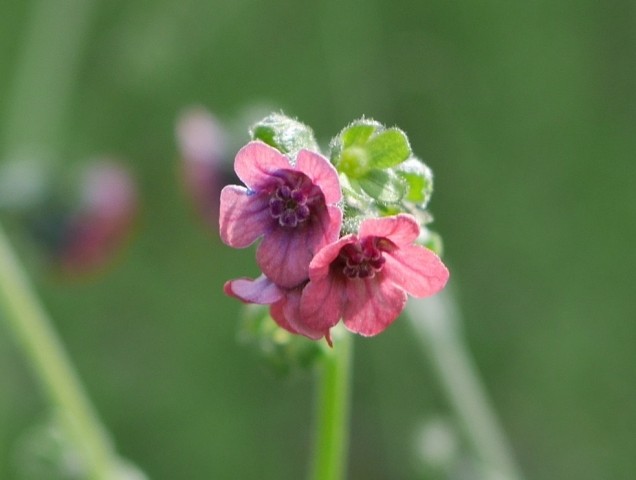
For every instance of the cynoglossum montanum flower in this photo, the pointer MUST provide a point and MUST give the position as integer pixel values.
(338, 243)
(364, 278)
(292, 205)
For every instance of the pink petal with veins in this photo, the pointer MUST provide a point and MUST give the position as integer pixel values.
(321, 173)
(401, 229)
(371, 305)
(417, 270)
(256, 162)
(321, 303)
(243, 217)
(261, 290)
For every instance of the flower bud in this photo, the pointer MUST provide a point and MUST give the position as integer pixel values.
(285, 134)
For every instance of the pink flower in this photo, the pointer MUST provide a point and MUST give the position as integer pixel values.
(292, 206)
(364, 279)
(285, 303)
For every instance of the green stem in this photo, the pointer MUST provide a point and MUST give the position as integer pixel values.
(436, 320)
(32, 328)
(331, 443)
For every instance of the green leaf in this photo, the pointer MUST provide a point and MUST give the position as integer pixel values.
(388, 149)
(354, 162)
(350, 143)
(286, 134)
(384, 186)
(358, 132)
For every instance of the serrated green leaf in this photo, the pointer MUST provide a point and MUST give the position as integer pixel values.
(388, 149)
(384, 186)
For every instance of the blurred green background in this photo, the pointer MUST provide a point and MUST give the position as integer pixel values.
(525, 111)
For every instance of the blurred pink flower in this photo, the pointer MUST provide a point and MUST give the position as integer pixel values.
(364, 279)
(103, 219)
(291, 205)
(202, 144)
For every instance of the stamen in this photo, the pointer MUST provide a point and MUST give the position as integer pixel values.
(289, 206)
(362, 259)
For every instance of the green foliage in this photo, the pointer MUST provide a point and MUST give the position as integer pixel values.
(379, 174)
(365, 145)
(419, 179)
(388, 149)
(285, 134)
(384, 186)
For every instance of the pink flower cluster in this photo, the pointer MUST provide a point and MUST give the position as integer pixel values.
(312, 278)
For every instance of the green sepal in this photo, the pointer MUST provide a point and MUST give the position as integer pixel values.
(365, 145)
(359, 132)
(285, 134)
(419, 180)
(384, 186)
(388, 149)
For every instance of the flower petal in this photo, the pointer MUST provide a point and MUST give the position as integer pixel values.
(319, 266)
(256, 162)
(277, 312)
(417, 270)
(321, 303)
(371, 305)
(322, 173)
(287, 314)
(284, 254)
(243, 216)
(330, 226)
(260, 290)
(401, 229)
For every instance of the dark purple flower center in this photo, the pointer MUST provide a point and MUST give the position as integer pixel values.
(362, 259)
(292, 200)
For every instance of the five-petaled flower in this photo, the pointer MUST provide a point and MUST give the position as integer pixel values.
(364, 278)
(292, 205)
